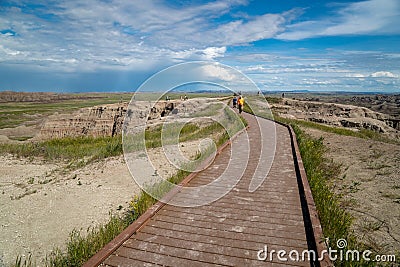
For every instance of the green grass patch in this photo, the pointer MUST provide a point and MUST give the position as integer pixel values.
(273, 100)
(68, 148)
(13, 114)
(80, 246)
(165, 135)
(20, 138)
(170, 133)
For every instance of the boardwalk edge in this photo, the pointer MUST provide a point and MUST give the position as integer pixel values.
(314, 222)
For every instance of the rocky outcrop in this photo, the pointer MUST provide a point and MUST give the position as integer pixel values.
(106, 120)
(95, 121)
(338, 115)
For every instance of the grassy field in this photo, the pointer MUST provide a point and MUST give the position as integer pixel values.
(13, 114)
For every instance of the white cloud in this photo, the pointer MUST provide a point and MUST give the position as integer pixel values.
(9, 52)
(219, 72)
(365, 17)
(384, 74)
(313, 81)
(243, 32)
(257, 68)
(128, 34)
(214, 52)
(355, 75)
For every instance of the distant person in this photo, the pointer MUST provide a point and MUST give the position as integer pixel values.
(234, 102)
(185, 97)
(283, 95)
(240, 104)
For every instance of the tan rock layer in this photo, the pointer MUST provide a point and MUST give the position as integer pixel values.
(106, 120)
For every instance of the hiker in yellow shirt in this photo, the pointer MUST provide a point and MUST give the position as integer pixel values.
(240, 103)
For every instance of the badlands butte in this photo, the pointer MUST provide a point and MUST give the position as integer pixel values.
(42, 200)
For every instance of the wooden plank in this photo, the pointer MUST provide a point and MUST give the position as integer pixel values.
(221, 216)
(284, 240)
(251, 244)
(117, 261)
(250, 213)
(260, 225)
(156, 255)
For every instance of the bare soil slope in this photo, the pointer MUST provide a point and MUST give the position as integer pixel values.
(369, 185)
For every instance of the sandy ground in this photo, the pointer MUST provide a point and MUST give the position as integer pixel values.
(41, 202)
(40, 206)
(370, 185)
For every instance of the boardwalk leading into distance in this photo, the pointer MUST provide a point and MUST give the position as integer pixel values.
(234, 229)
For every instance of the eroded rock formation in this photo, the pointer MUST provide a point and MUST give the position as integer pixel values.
(95, 121)
(105, 120)
(338, 115)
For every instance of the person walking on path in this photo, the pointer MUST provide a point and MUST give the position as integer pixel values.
(234, 102)
(240, 104)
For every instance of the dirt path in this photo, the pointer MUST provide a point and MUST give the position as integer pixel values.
(370, 185)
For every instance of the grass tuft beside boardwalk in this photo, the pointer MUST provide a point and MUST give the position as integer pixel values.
(79, 246)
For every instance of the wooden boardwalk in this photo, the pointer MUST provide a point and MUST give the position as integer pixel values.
(235, 229)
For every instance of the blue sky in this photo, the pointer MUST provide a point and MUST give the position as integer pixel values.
(115, 45)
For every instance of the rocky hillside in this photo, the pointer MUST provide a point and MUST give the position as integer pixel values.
(387, 104)
(105, 120)
(95, 121)
(338, 115)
